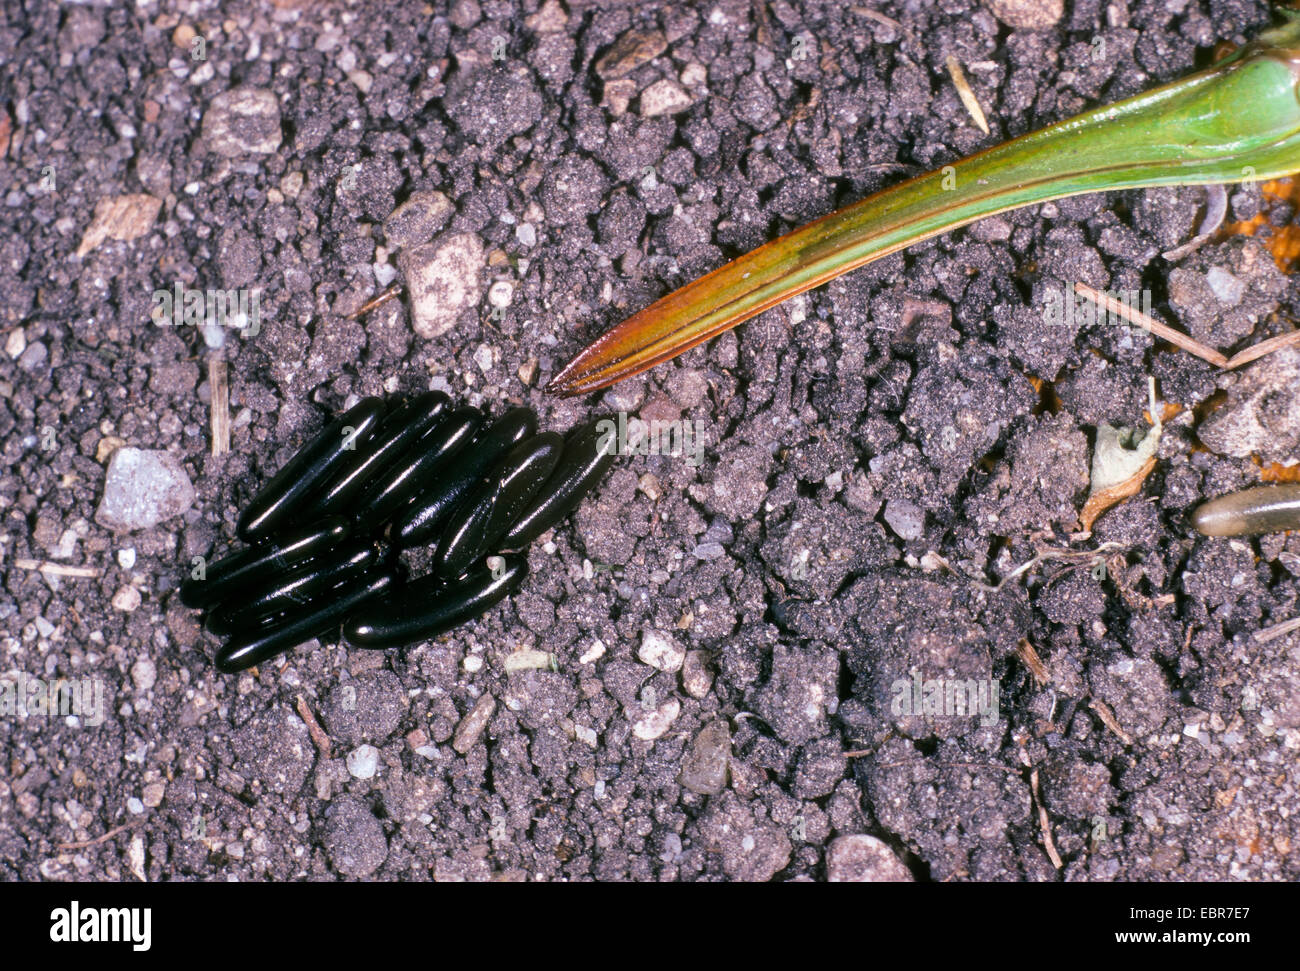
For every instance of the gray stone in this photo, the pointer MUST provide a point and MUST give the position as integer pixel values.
(704, 768)
(363, 762)
(142, 489)
(34, 358)
(242, 121)
(906, 519)
(661, 651)
(696, 677)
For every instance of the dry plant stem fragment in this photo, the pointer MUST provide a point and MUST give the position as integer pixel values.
(1192, 346)
(1239, 120)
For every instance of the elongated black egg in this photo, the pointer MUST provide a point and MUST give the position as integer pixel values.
(296, 588)
(588, 453)
(1262, 509)
(425, 463)
(422, 520)
(256, 565)
(255, 646)
(394, 438)
(502, 494)
(282, 500)
(429, 607)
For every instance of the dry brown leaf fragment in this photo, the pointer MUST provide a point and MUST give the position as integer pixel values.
(1103, 499)
(1033, 662)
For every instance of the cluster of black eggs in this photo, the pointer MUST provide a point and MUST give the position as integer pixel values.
(325, 532)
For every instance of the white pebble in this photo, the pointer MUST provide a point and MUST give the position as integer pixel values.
(144, 673)
(501, 293)
(127, 599)
(363, 762)
(660, 651)
(126, 558)
(653, 724)
(385, 273)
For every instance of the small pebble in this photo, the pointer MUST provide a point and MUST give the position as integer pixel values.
(472, 725)
(242, 121)
(33, 359)
(864, 859)
(143, 488)
(653, 724)
(696, 677)
(528, 660)
(443, 280)
(704, 767)
(1028, 14)
(665, 97)
(363, 762)
(126, 599)
(153, 794)
(144, 673)
(660, 651)
(630, 51)
(708, 551)
(905, 518)
(16, 343)
(122, 218)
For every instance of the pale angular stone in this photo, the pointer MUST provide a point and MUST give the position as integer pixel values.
(443, 280)
(142, 489)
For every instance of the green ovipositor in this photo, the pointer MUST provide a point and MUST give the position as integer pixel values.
(1236, 121)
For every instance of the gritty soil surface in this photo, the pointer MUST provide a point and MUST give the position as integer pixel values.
(699, 680)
